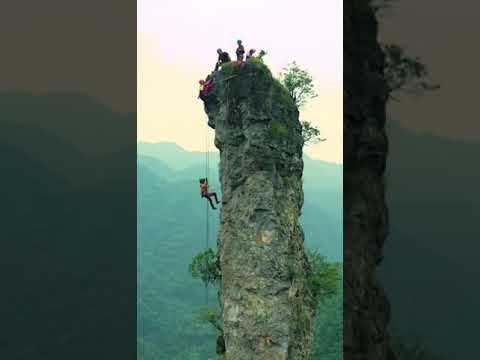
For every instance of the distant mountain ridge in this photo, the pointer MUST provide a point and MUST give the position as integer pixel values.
(83, 122)
(174, 156)
(317, 173)
(74, 135)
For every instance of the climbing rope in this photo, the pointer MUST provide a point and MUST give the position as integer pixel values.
(207, 173)
(207, 220)
(225, 167)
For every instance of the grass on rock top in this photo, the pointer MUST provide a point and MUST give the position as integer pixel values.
(231, 70)
(234, 68)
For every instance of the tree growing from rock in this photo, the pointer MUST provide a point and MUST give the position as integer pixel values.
(299, 84)
(310, 134)
(324, 282)
(325, 276)
(205, 267)
(404, 73)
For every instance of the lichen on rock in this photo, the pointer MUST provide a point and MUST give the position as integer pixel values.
(267, 314)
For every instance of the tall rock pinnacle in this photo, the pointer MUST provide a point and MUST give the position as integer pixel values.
(366, 308)
(266, 305)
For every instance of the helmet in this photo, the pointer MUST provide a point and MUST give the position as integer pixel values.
(219, 50)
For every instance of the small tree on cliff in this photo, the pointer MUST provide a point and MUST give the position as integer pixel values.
(310, 134)
(205, 267)
(299, 85)
(404, 73)
(324, 278)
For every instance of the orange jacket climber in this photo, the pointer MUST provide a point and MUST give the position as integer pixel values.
(205, 194)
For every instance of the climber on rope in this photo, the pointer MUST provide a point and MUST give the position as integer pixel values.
(208, 195)
(204, 87)
(240, 51)
(250, 53)
(223, 58)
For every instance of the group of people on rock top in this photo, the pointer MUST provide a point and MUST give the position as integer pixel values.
(223, 58)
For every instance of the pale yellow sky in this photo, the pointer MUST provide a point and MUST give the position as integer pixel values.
(169, 67)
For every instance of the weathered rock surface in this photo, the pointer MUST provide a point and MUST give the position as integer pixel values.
(267, 311)
(366, 309)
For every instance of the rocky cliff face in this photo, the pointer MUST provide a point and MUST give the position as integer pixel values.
(366, 310)
(267, 311)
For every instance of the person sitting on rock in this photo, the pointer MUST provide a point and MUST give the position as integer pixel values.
(240, 51)
(208, 195)
(250, 53)
(204, 88)
(223, 58)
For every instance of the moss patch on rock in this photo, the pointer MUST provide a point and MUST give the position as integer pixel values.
(278, 129)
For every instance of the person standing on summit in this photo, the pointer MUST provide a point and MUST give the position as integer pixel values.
(240, 51)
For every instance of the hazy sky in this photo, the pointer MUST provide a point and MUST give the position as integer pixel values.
(85, 47)
(177, 42)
